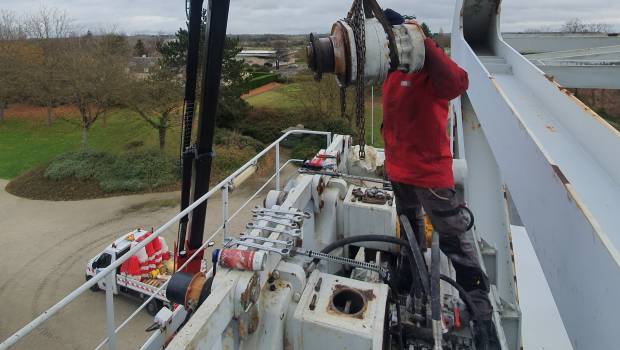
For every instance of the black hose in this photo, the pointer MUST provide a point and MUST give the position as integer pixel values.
(463, 294)
(376, 238)
(435, 273)
(435, 291)
(398, 317)
(417, 253)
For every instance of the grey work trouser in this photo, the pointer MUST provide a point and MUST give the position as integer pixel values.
(442, 207)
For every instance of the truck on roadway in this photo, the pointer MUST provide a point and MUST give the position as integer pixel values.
(153, 271)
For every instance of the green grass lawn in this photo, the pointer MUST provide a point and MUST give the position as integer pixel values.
(286, 98)
(282, 97)
(25, 144)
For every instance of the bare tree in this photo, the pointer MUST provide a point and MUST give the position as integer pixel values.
(15, 55)
(442, 39)
(577, 25)
(49, 27)
(96, 76)
(543, 29)
(157, 100)
(49, 23)
(322, 99)
(599, 27)
(10, 26)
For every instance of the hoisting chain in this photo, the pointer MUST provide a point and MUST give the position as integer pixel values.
(355, 19)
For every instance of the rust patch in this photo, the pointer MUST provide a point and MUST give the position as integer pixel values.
(560, 174)
(550, 127)
(369, 293)
(549, 77)
(251, 293)
(254, 318)
(287, 344)
(241, 327)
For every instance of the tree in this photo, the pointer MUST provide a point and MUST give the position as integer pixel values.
(442, 39)
(231, 108)
(15, 56)
(96, 76)
(281, 51)
(322, 99)
(157, 100)
(49, 28)
(577, 25)
(426, 30)
(10, 27)
(139, 50)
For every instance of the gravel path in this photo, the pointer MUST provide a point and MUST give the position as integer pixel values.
(45, 246)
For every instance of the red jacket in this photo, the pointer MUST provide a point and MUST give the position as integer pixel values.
(415, 117)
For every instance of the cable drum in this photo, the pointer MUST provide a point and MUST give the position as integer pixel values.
(338, 53)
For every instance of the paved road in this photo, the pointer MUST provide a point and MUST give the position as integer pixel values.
(45, 246)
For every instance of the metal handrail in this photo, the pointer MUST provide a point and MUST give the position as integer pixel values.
(25, 330)
(204, 245)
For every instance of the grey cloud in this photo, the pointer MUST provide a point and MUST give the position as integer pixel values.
(303, 16)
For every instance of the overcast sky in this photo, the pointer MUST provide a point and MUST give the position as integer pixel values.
(304, 16)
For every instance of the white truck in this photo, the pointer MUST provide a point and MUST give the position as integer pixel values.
(140, 288)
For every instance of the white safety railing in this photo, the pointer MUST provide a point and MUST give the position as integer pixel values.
(109, 272)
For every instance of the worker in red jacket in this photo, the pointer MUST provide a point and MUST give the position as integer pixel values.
(418, 159)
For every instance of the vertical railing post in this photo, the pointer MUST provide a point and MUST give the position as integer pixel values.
(109, 309)
(278, 166)
(225, 209)
(329, 139)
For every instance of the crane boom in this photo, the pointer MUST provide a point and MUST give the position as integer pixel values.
(558, 161)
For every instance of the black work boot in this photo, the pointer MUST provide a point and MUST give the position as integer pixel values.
(476, 284)
(485, 335)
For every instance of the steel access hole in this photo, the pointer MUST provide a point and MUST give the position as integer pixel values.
(348, 301)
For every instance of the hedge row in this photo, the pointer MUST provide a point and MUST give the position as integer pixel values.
(262, 80)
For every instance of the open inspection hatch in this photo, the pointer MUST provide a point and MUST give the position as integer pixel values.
(348, 301)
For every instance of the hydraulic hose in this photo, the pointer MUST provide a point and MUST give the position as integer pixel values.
(398, 316)
(435, 292)
(376, 238)
(484, 337)
(463, 294)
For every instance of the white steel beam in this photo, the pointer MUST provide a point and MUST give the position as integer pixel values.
(527, 43)
(559, 161)
(582, 76)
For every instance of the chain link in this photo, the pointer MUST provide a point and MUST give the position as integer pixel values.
(356, 21)
(343, 103)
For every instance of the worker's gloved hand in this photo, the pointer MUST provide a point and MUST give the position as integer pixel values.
(415, 23)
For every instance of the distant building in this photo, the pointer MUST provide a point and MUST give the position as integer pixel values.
(141, 66)
(269, 58)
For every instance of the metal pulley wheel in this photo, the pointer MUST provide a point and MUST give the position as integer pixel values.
(338, 53)
(362, 49)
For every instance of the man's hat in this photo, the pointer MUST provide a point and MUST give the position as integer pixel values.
(393, 17)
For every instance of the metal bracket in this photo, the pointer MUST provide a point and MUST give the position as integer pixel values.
(293, 232)
(282, 251)
(293, 218)
(286, 221)
(266, 240)
(292, 211)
